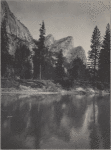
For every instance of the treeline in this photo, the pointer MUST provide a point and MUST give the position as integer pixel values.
(99, 58)
(40, 65)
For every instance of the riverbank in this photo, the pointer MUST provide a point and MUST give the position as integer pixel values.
(87, 91)
(32, 87)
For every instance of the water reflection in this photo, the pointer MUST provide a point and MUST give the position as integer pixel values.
(54, 121)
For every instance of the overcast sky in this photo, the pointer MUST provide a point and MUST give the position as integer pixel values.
(76, 18)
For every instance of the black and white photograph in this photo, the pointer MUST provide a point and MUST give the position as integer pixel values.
(55, 74)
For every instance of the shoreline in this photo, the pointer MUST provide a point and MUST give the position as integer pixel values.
(33, 87)
(62, 92)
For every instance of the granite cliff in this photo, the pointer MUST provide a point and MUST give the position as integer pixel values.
(49, 40)
(69, 51)
(78, 52)
(17, 32)
(66, 44)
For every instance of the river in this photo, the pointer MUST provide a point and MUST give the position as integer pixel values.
(55, 122)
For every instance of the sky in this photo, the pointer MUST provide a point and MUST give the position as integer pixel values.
(62, 18)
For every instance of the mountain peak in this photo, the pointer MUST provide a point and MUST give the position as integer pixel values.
(68, 38)
(5, 8)
(66, 44)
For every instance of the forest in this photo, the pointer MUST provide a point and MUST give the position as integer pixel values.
(38, 66)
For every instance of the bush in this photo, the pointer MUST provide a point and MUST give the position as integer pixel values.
(52, 87)
(5, 83)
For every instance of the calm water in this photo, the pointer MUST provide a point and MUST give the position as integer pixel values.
(55, 122)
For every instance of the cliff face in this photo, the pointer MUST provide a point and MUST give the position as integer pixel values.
(66, 44)
(19, 34)
(16, 31)
(49, 40)
(78, 52)
(69, 52)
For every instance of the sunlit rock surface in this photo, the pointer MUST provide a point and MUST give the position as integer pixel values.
(17, 32)
(69, 51)
(49, 40)
(78, 52)
(66, 44)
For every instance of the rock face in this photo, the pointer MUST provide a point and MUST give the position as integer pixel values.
(78, 52)
(66, 44)
(49, 40)
(19, 34)
(69, 52)
(16, 31)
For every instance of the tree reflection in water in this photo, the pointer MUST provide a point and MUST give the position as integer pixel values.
(104, 120)
(100, 127)
(55, 122)
(94, 142)
(36, 113)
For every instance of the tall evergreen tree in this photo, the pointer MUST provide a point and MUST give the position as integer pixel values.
(6, 58)
(36, 60)
(104, 59)
(77, 70)
(22, 62)
(59, 70)
(41, 48)
(95, 50)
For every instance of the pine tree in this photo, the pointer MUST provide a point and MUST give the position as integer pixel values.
(59, 70)
(22, 62)
(36, 60)
(104, 59)
(95, 50)
(77, 70)
(41, 48)
(6, 58)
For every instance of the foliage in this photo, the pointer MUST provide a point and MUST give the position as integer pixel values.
(41, 48)
(95, 50)
(9, 83)
(52, 87)
(22, 62)
(59, 70)
(41, 58)
(77, 70)
(104, 59)
(36, 60)
(6, 58)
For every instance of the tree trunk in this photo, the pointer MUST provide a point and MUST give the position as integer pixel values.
(94, 68)
(40, 71)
